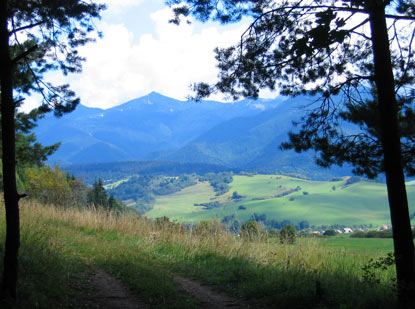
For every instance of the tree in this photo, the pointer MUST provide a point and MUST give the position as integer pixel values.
(97, 196)
(330, 233)
(47, 185)
(356, 57)
(47, 34)
(29, 152)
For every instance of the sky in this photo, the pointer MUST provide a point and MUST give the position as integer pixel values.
(142, 52)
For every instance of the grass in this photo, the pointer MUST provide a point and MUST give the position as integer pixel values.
(145, 253)
(377, 246)
(326, 202)
(179, 204)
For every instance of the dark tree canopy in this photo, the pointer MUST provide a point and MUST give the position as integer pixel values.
(323, 49)
(53, 30)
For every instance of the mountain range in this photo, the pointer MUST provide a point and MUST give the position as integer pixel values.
(244, 134)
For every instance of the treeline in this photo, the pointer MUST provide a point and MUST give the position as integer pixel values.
(233, 224)
(261, 218)
(53, 186)
(219, 181)
(376, 234)
(111, 172)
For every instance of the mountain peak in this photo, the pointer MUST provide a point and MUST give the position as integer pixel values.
(155, 94)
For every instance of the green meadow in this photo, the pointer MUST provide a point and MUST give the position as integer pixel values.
(318, 202)
(377, 246)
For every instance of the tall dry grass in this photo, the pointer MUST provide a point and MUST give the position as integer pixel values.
(263, 269)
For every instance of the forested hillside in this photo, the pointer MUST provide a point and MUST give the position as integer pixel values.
(244, 135)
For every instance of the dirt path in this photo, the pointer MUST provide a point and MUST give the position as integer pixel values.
(107, 292)
(104, 291)
(207, 296)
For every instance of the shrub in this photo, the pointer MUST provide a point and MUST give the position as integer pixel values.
(359, 234)
(242, 207)
(330, 233)
(288, 234)
(237, 196)
(250, 230)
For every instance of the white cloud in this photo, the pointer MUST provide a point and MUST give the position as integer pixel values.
(117, 69)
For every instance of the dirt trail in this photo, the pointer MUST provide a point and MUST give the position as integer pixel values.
(207, 296)
(107, 292)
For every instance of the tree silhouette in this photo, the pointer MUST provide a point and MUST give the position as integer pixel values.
(356, 57)
(37, 36)
(98, 196)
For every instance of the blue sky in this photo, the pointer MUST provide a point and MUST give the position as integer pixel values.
(141, 52)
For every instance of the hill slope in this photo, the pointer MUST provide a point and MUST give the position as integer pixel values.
(253, 143)
(280, 198)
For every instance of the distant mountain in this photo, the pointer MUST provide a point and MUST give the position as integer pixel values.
(253, 143)
(136, 129)
(243, 135)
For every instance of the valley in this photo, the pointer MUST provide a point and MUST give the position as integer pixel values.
(275, 200)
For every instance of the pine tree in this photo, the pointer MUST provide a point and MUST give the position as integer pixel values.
(98, 196)
(53, 31)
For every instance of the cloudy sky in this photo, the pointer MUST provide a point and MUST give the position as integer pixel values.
(141, 52)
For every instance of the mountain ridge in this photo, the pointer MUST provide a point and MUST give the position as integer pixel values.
(245, 134)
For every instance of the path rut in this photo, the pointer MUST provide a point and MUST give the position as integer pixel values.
(107, 292)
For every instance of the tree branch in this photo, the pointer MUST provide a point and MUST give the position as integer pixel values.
(400, 17)
(25, 27)
(24, 54)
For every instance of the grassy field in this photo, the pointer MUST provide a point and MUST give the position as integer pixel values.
(318, 202)
(60, 245)
(360, 245)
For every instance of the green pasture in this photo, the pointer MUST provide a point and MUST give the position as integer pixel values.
(377, 246)
(318, 202)
(180, 204)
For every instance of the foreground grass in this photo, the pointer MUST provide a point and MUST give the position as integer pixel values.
(144, 254)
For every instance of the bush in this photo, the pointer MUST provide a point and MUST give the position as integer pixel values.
(250, 230)
(359, 234)
(288, 234)
(237, 196)
(330, 233)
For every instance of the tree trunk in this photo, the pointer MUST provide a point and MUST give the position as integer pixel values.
(11, 198)
(395, 180)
